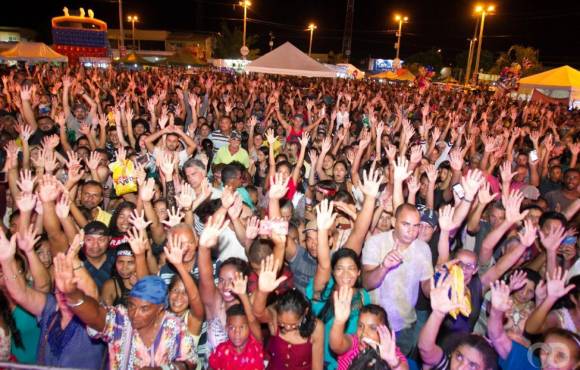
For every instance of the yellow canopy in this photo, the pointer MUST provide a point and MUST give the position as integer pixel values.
(32, 52)
(564, 77)
(405, 75)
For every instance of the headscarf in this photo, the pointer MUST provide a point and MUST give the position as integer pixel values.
(151, 289)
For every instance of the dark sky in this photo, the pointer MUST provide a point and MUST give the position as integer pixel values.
(552, 26)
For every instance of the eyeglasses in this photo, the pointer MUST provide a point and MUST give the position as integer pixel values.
(467, 266)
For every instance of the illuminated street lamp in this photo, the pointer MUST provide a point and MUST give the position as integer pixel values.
(245, 4)
(483, 9)
(401, 19)
(133, 19)
(311, 28)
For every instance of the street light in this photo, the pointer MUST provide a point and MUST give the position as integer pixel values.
(483, 9)
(311, 28)
(133, 19)
(245, 4)
(401, 19)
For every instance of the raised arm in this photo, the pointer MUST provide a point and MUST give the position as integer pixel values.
(340, 342)
(267, 283)
(30, 299)
(500, 303)
(441, 305)
(303, 145)
(370, 188)
(325, 220)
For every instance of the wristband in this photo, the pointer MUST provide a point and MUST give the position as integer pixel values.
(13, 277)
(468, 200)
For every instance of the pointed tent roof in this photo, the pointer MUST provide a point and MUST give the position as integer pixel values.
(287, 59)
(557, 78)
(134, 58)
(32, 52)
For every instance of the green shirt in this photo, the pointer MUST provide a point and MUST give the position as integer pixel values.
(224, 156)
(30, 334)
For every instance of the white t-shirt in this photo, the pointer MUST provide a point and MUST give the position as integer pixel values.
(399, 290)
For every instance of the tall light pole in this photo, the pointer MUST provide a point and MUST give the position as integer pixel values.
(133, 19)
(311, 28)
(472, 42)
(401, 19)
(484, 10)
(121, 31)
(245, 4)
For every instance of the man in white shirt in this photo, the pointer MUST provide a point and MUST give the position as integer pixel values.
(396, 264)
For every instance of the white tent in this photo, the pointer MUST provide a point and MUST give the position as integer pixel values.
(287, 59)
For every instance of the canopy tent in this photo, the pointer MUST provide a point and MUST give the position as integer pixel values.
(32, 52)
(400, 75)
(135, 59)
(287, 59)
(561, 82)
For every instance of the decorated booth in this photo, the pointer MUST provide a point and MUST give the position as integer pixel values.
(80, 36)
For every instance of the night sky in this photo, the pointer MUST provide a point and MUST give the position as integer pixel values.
(552, 26)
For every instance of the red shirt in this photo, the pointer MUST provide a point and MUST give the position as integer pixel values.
(226, 357)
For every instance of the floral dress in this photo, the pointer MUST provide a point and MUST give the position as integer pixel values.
(5, 339)
(127, 350)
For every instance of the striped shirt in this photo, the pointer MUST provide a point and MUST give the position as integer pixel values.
(218, 139)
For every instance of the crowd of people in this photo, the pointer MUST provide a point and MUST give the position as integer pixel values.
(163, 219)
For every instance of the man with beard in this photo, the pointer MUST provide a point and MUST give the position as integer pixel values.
(91, 199)
(173, 134)
(40, 126)
(79, 113)
(560, 199)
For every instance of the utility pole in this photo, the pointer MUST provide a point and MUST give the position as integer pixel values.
(121, 31)
(472, 42)
(347, 35)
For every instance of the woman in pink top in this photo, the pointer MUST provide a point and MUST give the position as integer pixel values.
(372, 334)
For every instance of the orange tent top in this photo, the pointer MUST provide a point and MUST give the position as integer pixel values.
(32, 52)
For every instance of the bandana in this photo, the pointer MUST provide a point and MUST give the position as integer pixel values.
(151, 289)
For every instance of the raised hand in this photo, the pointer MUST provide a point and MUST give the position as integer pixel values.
(402, 169)
(506, 173)
(240, 284)
(325, 219)
(416, 154)
(304, 139)
(267, 281)
(50, 162)
(147, 190)
(26, 202)
(7, 246)
(93, 161)
(174, 217)
(62, 208)
(174, 250)
(440, 301)
(228, 197)
(517, 280)
(27, 239)
(432, 173)
(553, 238)
(446, 217)
(49, 188)
(342, 302)
(500, 296)
(372, 182)
(213, 228)
(186, 197)
(236, 209)
(413, 185)
(556, 284)
(326, 145)
(512, 204)
(138, 221)
(64, 274)
(391, 151)
(138, 241)
(167, 165)
(278, 186)
(388, 346)
(471, 183)
(252, 228)
(485, 196)
(270, 137)
(528, 235)
(121, 154)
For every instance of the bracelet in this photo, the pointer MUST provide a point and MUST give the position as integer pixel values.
(468, 200)
(78, 267)
(13, 277)
(73, 305)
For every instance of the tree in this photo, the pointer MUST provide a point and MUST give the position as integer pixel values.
(228, 43)
(525, 56)
(426, 58)
(486, 61)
